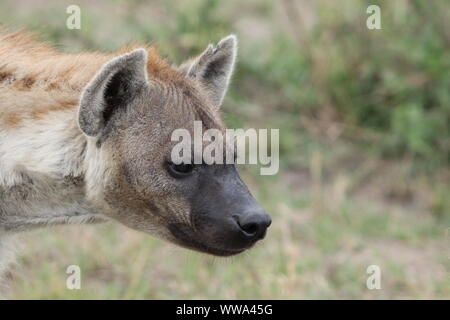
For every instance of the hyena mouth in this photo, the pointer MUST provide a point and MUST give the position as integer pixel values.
(185, 239)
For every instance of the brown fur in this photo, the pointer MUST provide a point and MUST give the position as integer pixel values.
(53, 79)
(12, 120)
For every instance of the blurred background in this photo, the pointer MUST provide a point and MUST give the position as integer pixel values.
(364, 119)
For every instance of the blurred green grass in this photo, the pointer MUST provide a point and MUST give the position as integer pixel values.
(364, 118)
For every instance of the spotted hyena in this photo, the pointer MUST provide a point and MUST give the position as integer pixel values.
(87, 137)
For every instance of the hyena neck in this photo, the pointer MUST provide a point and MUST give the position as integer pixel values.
(42, 179)
(42, 174)
(42, 150)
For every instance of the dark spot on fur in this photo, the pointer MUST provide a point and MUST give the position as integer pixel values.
(28, 82)
(53, 86)
(12, 120)
(25, 83)
(4, 76)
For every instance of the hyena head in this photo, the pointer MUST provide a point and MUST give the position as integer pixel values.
(129, 111)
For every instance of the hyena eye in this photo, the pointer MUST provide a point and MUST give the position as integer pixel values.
(180, 170)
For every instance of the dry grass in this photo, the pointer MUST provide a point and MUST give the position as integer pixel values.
(337, 206)
(319, 246)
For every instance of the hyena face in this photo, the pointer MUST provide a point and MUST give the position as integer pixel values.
(129, 115)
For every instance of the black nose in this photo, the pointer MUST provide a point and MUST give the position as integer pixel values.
(254, 225)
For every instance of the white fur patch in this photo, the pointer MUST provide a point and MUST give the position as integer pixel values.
(50, 145)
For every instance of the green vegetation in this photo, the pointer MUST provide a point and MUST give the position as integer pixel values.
(364, 118)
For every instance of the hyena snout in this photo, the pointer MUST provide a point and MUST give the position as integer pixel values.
(253, 224)
(240, 228)
(226, 215)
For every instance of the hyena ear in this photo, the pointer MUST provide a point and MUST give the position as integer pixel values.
(111, 89)
(213, 68)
